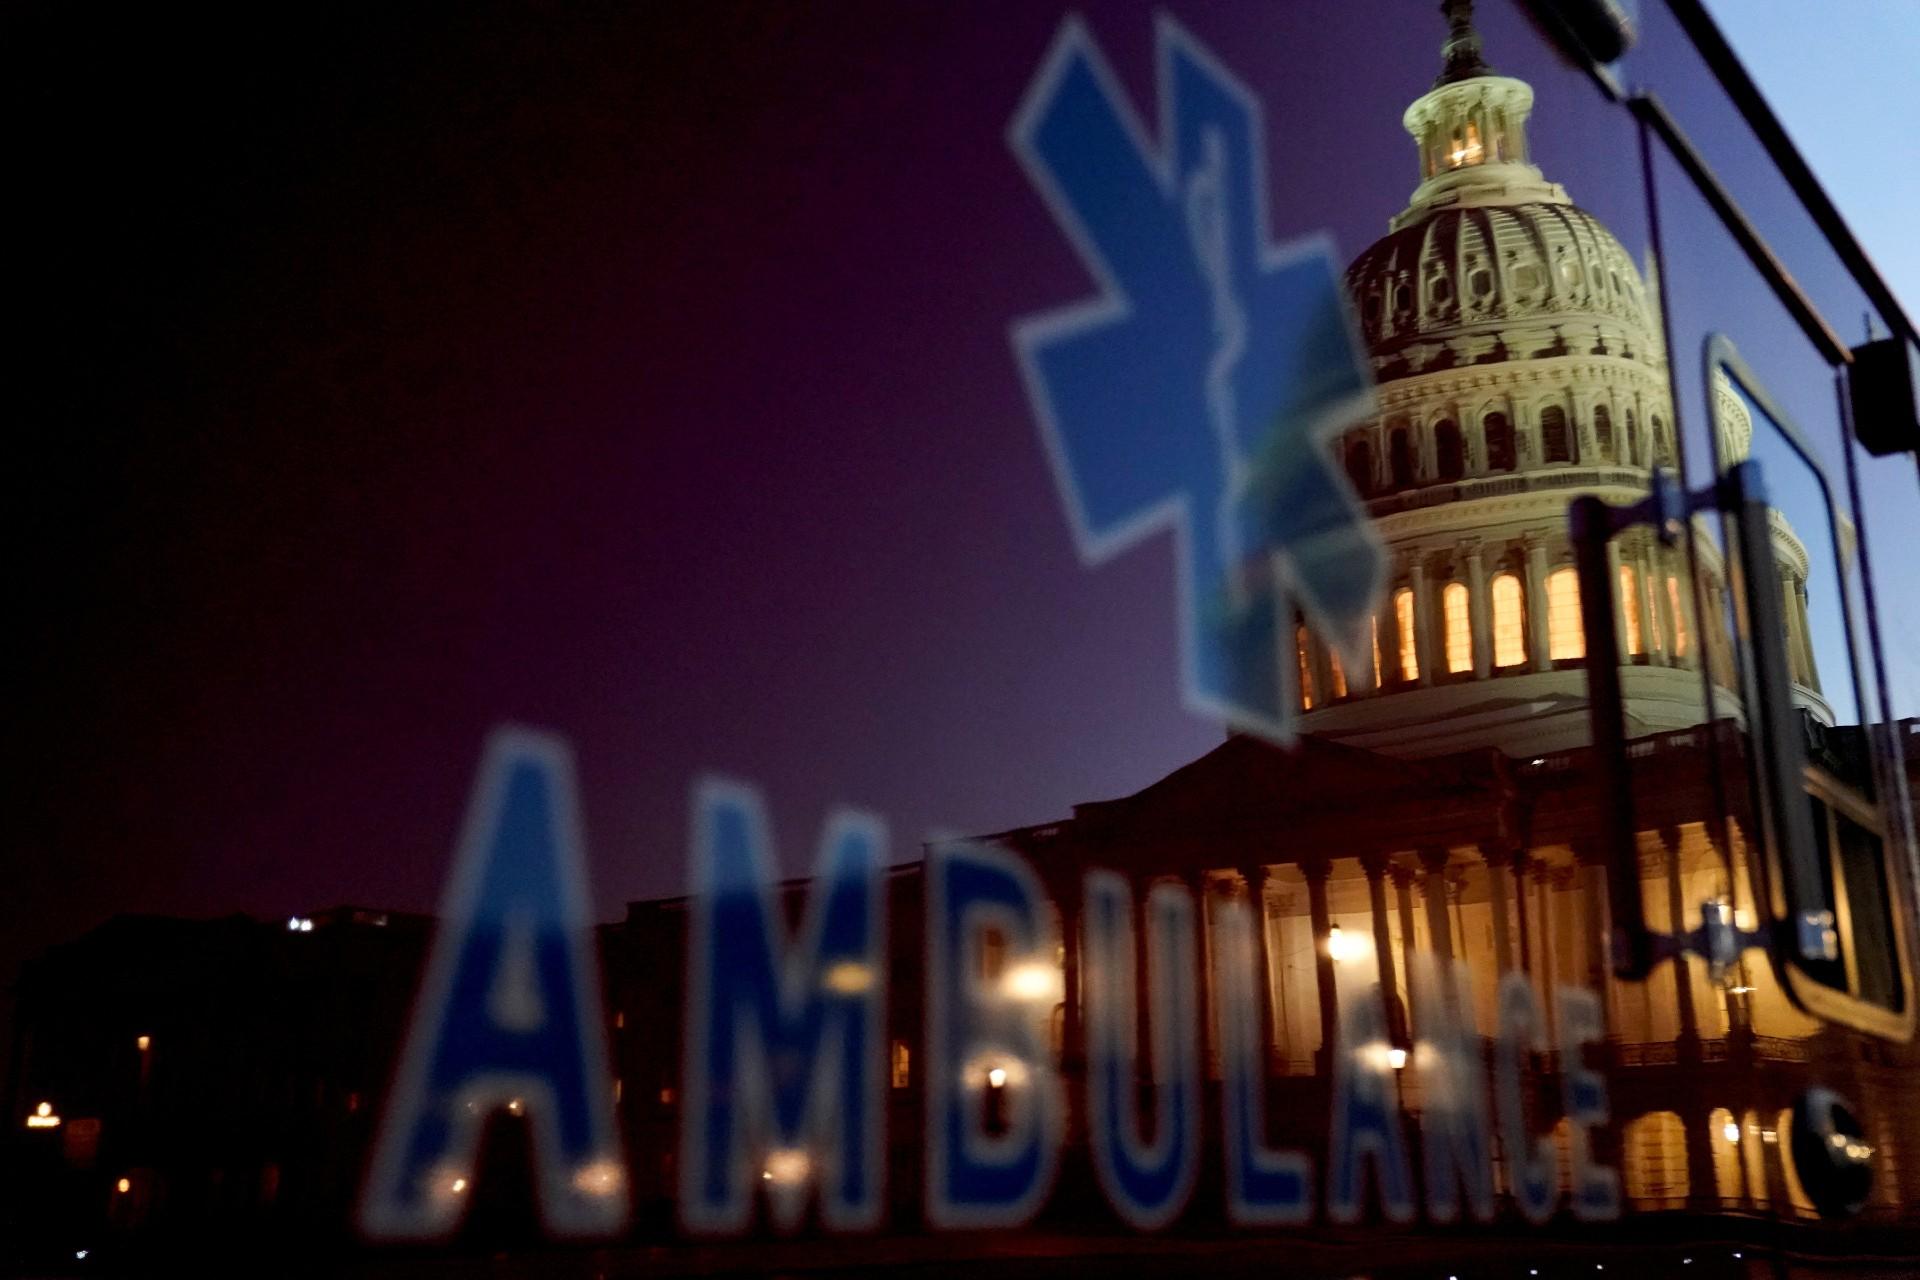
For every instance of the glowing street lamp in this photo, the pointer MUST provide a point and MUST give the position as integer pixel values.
(43, 1117)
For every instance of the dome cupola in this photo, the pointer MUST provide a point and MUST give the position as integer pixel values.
(1471, 132)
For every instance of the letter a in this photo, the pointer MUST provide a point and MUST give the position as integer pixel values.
(509, 1012)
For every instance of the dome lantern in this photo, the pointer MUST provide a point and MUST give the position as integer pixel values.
(1470, 129)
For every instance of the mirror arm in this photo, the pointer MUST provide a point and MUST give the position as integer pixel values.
(1592, 525)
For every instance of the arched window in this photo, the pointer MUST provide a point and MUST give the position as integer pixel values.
(1450, 452)
(1453, 606)
(1500, 451)
(1603, 431)
(1662, 447)
(1630, 609)
(1509, 624)
(1400, 458)
(1360, 465)
(1306, 668)
(1409, 648)
(1565, 638)
(1554, 443)
(1633, 440)
(1336, 675)
(1655, 1164)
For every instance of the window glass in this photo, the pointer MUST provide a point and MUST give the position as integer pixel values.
(1565, 638)
(1509, 626)
(1459, 628)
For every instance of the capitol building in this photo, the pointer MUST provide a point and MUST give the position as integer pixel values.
(1519, 357)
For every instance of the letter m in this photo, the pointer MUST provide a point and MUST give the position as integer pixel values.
(783, 1036)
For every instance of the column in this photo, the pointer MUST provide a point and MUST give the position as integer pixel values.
(1375, 865)
(1403, 905)
(1591, 884)
(1422, 618)
(1256, 877)
(1619, 605)
(1479, 607)
(1703, 1193)
(1322, 669)
(1433, 889)
(1806, 634)
(1072, 1041)
(1360, 681)
(1682, 965)
(1520, 864)
(1497, 891)
(1543, 904)
(1197, 885)
(1539, 647)
(1317, 870)
(1638, 563)
(1657, 607)
(1658, 562)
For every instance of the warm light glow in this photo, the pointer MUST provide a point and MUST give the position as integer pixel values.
(143, 1043)
(1409, 648)
(1679, 617)
(1373, 625)
(44, 1109)
(598, 1178)
(1509, 626)
(1454, 607)
(847, 978)
(1033, 981)
(1340, 946)
(1630, 609)
(1565, 639)
(458, 1185)
(1467, 150)
(1730, 1131)
(787, 1167)
(1306, 672)
(299, 924)
(517, 1107)
(1336, 673)
(1397, 1058)
(123, 1186)
(43, 1117)
(997, 1078)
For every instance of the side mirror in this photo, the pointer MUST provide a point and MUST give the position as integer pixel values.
(1827, 793)
(1810, 775)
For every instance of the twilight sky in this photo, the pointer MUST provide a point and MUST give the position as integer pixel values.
(637, 372)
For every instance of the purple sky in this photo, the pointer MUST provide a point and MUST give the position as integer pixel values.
(637, 374)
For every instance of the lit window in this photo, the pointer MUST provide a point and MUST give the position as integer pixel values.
(1679, 617)
(1630, 609)
(1373, 625)
(1453, 603)
(1337, 674)
(1565, 639)
(1509, 627)
(1465, 150)
(1409, 651)
(901, 1064)
(1306, 675)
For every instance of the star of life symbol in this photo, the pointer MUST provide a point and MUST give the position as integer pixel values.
(1199, 390)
